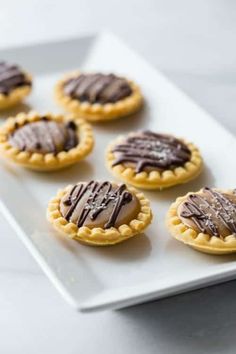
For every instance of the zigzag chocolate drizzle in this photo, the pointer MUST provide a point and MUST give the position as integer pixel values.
(11, 77)
(97, 88)
(98, 197)
(211, 212)
(148, 149)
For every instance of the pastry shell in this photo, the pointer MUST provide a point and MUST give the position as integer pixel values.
(99, 236)
(155, 179)
(95, 112)
(198, 240)
(48, 161)
(16, 95)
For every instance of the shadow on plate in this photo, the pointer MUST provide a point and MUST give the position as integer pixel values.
(206, 178)
(11, 112)
(134, 249)
(183, 250)
(69, 175)
(127, 124)
(131, 250)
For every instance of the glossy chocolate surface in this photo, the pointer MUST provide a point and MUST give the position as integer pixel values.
(11, 77)
(99, 204)
(211, 212)
(147, 150)
(45, 136)
(97, 88)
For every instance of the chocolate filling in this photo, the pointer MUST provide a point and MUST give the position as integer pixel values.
(97, 88)
(99, 204)
(148, 150)
(11, 77)
(210, 212)
(45, 136)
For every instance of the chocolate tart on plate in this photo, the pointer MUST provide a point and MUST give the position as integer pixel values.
(99, 213)
(45, 142)
(15, 85)
(150, 160)
(205, 220)
(97, 96)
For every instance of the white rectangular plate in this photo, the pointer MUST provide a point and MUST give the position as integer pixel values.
(147, 267)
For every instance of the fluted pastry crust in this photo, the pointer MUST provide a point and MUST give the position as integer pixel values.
(99, 236)
(198, 240)
(16, 95)
(94, 112)
(48, 161)
(155, 179)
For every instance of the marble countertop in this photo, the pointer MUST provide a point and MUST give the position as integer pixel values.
(193, 43)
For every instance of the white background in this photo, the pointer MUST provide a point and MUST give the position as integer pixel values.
(193, 42)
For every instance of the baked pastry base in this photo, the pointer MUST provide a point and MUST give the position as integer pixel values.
(199, 241)
(98, 236)
(49, 161)
(16, 95)
(98, 112)
(155, 179)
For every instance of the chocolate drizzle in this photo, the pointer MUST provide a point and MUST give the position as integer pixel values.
(97, 88)
(148, 149)
(211, 212)
(11, 77)
(45, 136)
(89, 200)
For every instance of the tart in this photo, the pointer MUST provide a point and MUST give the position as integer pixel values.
(45, 143)
(99, 213)
(153, 161)
(205, 220)
(98, 97)
(15, 85)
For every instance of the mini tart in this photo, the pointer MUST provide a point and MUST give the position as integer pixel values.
(15, 85)
(205, 220)
(92, 99)
(153, 161)
(99, 213)
(41, 156)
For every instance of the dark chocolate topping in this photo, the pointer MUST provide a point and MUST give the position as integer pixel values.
(11, 77)
(148, 149)
(88, 201)
(97, 88)
(210, 212)
(44, 136)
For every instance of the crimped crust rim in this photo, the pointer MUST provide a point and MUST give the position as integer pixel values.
(48, 161)
(155, 179)
(96, 111)
(198, 240)
(98, 236)
(16, 95)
